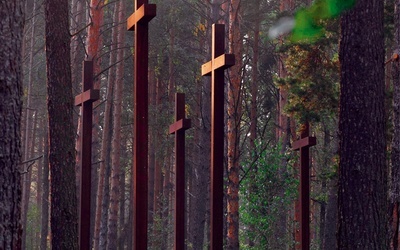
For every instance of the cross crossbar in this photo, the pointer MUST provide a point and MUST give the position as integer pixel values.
(90, 95)
(143, 14)
(308, 141)
(178, 125)
(222, 62)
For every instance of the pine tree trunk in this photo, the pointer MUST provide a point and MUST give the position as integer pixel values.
(64, 218)
(103, 184)
(77, 46)
(77, 56)
(122, 228)
(233, 136)
(283, 133)
(28, 177)
(324, 185)
(363, 189)
(200, 179)
(105, 201)
(45, 197)
(11, 38)
(331, 217)
(28, 139)
(395, 155)
(112, 236)
(253, 105)
(152, 144)
(41, 140)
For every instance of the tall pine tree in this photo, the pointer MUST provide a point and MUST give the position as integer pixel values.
(11, 32)
(362, 196)
(63, 217)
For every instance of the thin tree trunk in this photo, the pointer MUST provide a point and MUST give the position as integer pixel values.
(77, 56)
(253, 105)
(201, 166)
(112, 236)
(163, 241)
(103, 183)
(331, 217)
(45, 197)
(158, 173)
(28, 176)
(152, 145)
(28, 139)
(122, 228)
(106, 200)
(234, 115)
(41, 141)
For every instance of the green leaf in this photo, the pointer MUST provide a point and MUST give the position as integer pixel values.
(307, 25)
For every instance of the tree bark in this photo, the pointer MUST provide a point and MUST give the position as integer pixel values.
(329, 237)
(201, 177)
(41, 141)
(28, 140)
(64, 217)
(395, 155)
(363, 189)
(283, 134)
(103, 184)
(234, 109)
(45, 197)
(253, 105)
(11, 38)
(112, 236)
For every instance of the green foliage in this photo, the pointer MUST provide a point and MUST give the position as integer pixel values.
(312, 79)
(261, 196)
(308, 25)
(32, 227)
(162, 228)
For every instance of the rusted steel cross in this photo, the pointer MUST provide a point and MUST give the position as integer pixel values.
(138, 22)
(304, 145)
(178, 128)
(215, 68)
(86, 99)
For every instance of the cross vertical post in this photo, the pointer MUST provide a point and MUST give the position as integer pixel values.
(215, 68)
(304, 144)
(139, 22)
(86, 99)
(178, 128)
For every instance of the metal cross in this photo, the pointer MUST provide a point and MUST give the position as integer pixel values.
(138, 22)
(178, 128)
(86, 99)
(215, 68)
(304, 145)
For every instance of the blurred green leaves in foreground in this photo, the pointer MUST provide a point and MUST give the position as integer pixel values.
(306, 24)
